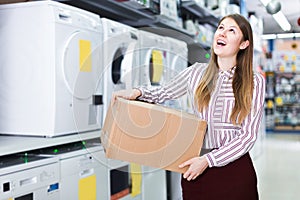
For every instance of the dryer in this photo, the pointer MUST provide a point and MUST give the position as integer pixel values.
(154, 180)
(120, 60)
(153, 72)
(177, 56)
(50, 67)
(153, 58)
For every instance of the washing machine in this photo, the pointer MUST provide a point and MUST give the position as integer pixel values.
(178, 60)
(29, 177)
(174, 189)
(120, 60)
(153, 59)
(177, 56)
(51, 56)
(154, 180)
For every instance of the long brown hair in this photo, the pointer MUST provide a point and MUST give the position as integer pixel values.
(242, 83)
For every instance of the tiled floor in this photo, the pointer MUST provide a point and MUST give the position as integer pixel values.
(277, 163)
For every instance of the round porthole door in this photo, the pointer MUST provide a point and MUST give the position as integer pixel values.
(81, 65)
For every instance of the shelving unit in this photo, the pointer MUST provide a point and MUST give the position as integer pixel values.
(134, 14)
(203, 15)
(287, 101)
(128, 12)
(269, 100)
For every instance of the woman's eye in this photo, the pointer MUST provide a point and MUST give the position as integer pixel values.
(232, 30)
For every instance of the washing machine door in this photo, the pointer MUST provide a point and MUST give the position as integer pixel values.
(81, 68)
(178, 64)
(123, 72)
(129, 69)
(116, 69)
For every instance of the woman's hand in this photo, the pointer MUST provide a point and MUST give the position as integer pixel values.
(131, 94)
(197, 167)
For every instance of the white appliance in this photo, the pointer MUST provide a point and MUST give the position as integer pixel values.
(120, 60)
(154, 180)
(118, 176)
(174, 185)
(50, 69)
(153, 58)
(177, 56)
(154, 71)
(82, 168)
(29, 177)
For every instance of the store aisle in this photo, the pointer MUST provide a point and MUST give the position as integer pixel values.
(278, 167)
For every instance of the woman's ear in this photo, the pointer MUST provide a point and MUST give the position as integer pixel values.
(244, 44)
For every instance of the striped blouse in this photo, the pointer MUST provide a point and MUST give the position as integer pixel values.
(228, 141)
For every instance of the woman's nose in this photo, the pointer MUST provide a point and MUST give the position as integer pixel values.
(222, 32)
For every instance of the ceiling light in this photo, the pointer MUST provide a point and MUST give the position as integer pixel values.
(281, 36)
(274, 8)
(288, 35)
(282, 21)
(269, 37)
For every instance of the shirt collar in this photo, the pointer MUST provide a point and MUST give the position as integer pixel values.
(228, 73)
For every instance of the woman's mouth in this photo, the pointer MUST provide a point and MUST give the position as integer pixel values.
(221, 43)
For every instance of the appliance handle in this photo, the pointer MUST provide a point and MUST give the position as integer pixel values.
(28, 181)
(87, 172)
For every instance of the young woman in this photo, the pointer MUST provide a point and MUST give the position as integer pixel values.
(230, 97)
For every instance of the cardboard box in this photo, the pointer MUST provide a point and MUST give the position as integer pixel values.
(151, 135)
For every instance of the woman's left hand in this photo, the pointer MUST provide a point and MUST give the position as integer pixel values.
(197, 165)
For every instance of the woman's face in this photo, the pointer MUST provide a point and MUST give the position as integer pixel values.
(228, 39)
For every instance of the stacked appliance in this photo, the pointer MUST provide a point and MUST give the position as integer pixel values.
(82, 169)
(177, 56)
(120, 63)
(154, 180)
(153, 58)
(120, 58)
(154, 71)
(29, 177)
(51, 64)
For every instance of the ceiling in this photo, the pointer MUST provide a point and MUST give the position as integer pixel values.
(290, 8)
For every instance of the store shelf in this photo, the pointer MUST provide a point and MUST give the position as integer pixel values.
(287, 101)
(203, 15)
(113, 9)
(10, 144)
(287, 128)
(127, 12)
(134, 14)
